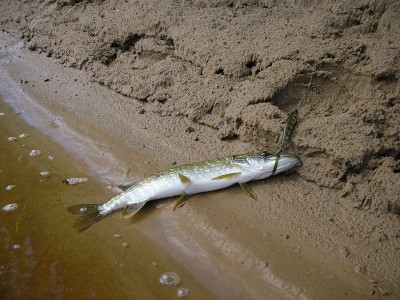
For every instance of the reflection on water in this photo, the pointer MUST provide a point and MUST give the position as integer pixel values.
(42, 256)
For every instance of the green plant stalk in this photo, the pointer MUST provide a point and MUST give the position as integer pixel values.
(20, 216)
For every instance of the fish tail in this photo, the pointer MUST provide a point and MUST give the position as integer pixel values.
(88, 214)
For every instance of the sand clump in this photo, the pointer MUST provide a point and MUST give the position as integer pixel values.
(239, 68)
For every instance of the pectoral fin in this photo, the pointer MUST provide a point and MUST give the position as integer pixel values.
(132, 209)
(227, 176)
(181, 200)
(248, 191)
(184, 179)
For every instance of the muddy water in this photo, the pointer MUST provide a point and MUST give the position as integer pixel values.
(43, 257)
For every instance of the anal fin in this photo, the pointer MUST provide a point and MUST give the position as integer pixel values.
(132, 209)
(248, 191)
(181, 200)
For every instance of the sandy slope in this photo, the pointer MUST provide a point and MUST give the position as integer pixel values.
(204, 79)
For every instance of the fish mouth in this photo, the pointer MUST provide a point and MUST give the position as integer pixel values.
(287, 162)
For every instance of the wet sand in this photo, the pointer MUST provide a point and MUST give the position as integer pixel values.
(292, 243)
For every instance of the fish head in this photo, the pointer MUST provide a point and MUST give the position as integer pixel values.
(263, 164)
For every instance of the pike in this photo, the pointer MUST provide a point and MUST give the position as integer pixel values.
(185, 181)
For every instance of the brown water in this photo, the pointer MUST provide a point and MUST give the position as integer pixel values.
(43, 257)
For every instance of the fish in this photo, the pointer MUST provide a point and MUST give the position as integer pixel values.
(185, 181)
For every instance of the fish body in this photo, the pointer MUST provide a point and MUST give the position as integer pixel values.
(187, 180)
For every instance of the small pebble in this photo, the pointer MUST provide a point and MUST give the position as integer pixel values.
(51, 157)
(44, 173)
(170, 278)
(2, 114)
(16, 246)
(9, 187)
(117, 235)
(11, 138)
(125, 244)
(75, 180)
(35, 153)
(189, 129)
(82, 209)
(154, 264)
(373, 281)
(344, 252)
(182, 292)
(360, 269)
(23, 135)
(10, 207)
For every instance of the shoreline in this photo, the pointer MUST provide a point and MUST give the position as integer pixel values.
(218, 225)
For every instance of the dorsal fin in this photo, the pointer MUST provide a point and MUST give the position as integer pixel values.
(124, 187)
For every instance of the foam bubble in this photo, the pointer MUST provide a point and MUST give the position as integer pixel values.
(10, 207)
(75, 180)
(170, 278)
(35, 152)
(182, 292)
(9, 187)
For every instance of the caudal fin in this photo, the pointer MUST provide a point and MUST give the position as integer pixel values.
(88, 214)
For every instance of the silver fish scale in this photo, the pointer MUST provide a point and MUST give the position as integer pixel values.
(209, 171)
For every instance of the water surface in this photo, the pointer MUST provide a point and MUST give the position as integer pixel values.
(43, 257)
